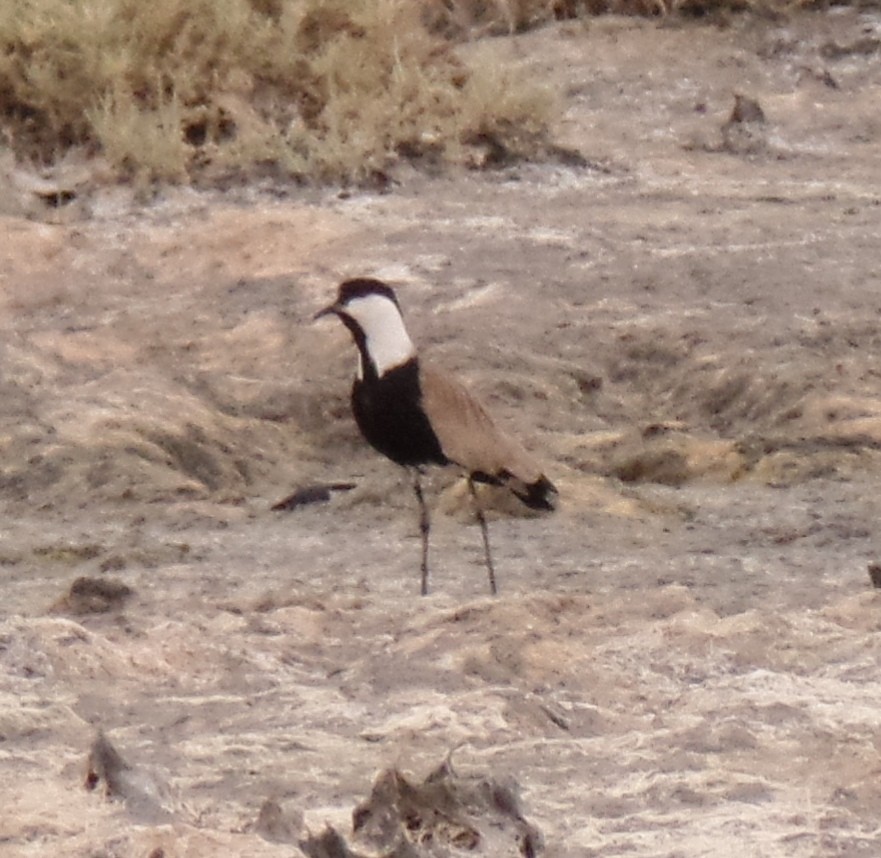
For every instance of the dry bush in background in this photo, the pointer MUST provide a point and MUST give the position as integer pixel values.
(325, 90)
(199, 89)
(470, 18)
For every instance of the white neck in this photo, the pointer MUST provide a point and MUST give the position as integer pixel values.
(387, 342)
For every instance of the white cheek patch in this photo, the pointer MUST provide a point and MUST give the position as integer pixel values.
(387, 341)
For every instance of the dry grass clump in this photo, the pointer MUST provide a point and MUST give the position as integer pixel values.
(469, 18)
(198, 89)
(460, 18)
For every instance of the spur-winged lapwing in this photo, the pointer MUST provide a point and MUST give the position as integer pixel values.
(417, 415)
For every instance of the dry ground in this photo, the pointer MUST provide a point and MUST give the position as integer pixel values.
(683, 661)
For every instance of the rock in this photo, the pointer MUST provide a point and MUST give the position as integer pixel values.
(277, 825)
(89, 595)
(745, 130)
(144, 793)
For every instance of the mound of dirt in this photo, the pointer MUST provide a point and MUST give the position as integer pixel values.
(445, 814)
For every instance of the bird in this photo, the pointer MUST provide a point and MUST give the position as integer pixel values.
(418, 415)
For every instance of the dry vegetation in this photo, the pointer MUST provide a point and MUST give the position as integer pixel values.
(195, 89)
(339, 90)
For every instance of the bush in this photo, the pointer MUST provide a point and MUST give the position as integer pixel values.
(196, 90)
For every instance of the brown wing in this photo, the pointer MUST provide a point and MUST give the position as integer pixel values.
(469, 437)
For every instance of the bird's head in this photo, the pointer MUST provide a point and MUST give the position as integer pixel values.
(369, 309)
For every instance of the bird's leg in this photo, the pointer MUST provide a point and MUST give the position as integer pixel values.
(424, 527)
(478, 511)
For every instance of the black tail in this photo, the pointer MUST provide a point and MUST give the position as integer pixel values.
(542, 494)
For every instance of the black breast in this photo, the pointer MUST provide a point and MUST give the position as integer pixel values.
(389, 414)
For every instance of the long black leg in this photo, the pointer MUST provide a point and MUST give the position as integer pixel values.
(424, 527)
(478, 511)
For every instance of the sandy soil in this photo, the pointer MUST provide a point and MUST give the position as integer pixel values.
(682, 661)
